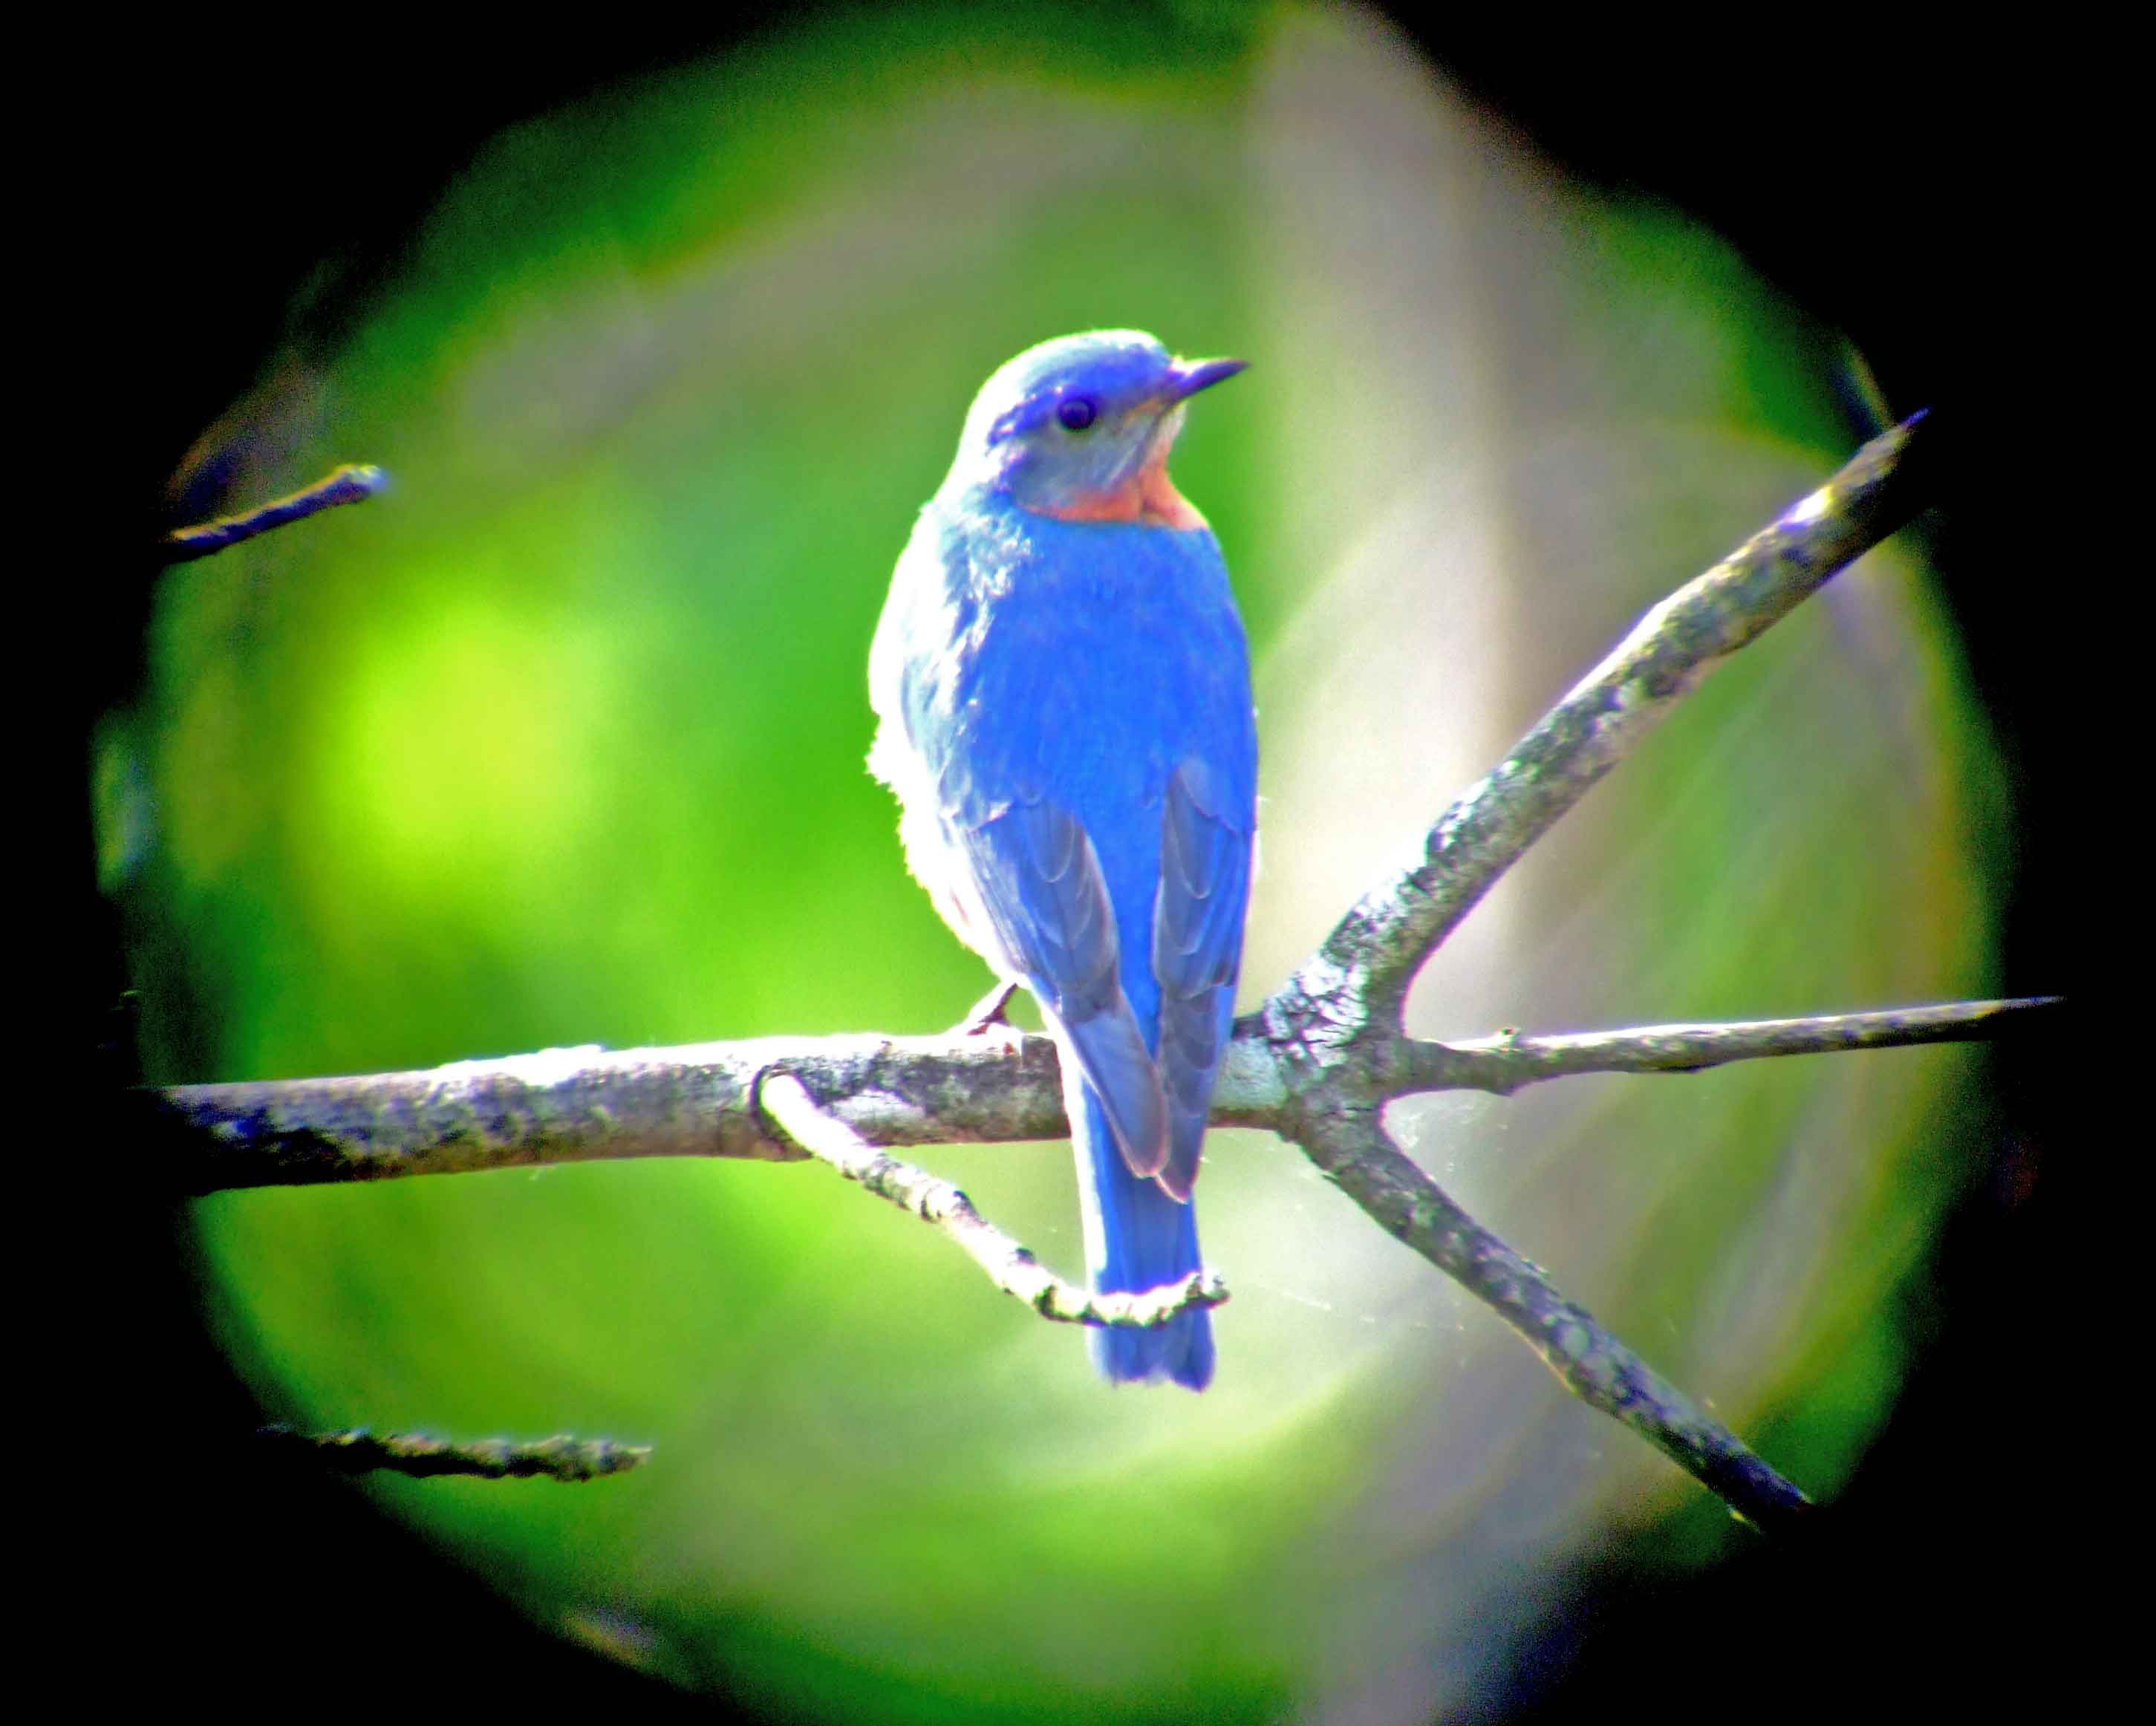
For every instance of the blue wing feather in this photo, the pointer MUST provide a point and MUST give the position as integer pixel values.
(1197, 953)
(1040, 879)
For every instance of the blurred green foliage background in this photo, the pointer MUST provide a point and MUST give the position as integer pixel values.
(560, 741)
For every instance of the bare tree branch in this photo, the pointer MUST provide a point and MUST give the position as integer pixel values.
(1012, 1268)
(1361, 974)
(584, 1104)
(587, 1104)
(1335, 1025)
(1354, 1151)
(1316, 1063)
(1508, 1061)
(353, 483)
(357, 1451)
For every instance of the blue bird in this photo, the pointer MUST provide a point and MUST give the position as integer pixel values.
(1063, 694)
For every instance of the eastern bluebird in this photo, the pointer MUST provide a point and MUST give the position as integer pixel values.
(1064, 698)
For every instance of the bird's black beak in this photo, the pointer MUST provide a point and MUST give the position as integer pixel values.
(1186, 378)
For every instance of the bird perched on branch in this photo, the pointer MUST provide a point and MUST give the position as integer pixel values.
(1064, 698)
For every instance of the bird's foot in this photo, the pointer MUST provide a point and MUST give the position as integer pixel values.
(987, 1014)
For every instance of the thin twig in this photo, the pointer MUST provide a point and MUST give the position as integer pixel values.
(1012, 1267)
(357, 1451)
(1504, 1063)
(353, 483)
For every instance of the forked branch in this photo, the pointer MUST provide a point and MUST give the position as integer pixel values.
(1335, 1025)
(1315, 1063)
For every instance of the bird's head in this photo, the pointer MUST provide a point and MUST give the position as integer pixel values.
(1080, 429)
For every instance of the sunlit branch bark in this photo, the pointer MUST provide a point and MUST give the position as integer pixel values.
(360, 1451)
(587, 1104)
(353, 483)
(1508, 1061)
(1010, 1266)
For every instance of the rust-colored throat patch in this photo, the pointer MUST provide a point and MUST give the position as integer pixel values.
(1149, 496)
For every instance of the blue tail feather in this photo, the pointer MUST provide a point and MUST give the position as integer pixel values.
(1137, 1238)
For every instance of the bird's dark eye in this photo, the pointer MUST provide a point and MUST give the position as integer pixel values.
(1075, 412)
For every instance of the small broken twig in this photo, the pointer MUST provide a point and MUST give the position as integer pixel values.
(354, 483)
(356, 1451)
